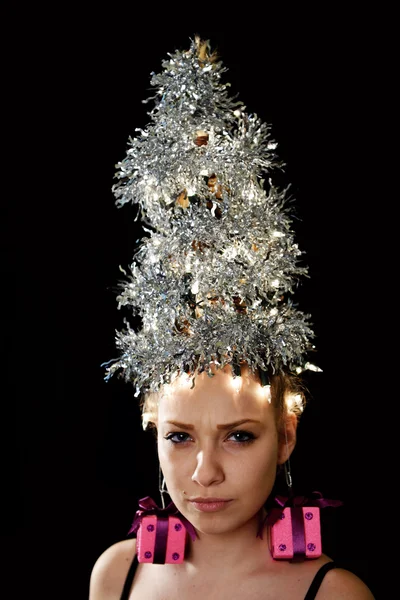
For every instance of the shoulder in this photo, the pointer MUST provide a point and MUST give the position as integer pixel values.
(340, 584)
(110, 570)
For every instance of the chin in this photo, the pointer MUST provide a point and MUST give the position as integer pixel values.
(213, 525)
(227, 527)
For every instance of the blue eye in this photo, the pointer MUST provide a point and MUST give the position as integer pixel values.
(177, 437)
(239, 437)
(242, 437)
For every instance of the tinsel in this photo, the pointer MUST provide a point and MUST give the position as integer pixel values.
(212, 281)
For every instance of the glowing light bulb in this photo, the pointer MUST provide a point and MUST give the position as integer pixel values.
(312, 367)
(230, 252)
(188, 264)
(294, 402)
(237, 383)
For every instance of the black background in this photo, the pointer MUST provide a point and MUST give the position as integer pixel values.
(76, 460)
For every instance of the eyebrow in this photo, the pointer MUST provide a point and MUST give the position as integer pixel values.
(223, 426)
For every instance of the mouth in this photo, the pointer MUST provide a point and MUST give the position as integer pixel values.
(210, 504)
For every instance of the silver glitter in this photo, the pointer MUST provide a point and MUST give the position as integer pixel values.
(214, 279)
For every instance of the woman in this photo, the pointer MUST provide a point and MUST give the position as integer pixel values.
(220, 444)
(212, 285)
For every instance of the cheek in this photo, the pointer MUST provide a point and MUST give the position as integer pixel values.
(162, 455)
(171, 461)
(176, 473)
(255, 467)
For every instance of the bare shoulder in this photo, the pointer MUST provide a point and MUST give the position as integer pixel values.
(110, 571)
(341, 584)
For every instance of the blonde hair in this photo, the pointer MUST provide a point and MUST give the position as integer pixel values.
(288, 397)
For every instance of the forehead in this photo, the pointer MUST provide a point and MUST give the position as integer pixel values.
(221, 398)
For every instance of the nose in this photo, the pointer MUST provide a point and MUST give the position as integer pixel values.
(208, 469)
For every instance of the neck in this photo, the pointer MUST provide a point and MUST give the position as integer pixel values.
(231, 549)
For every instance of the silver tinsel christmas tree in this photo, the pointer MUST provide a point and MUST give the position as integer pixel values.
(214, 279)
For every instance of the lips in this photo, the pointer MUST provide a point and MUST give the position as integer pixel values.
(205, 500)
(210, 504)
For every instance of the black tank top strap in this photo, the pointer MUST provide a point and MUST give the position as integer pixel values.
(316, 582)
(129, 578)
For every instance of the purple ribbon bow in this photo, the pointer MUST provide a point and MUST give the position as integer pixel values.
(149, 508)
(295, 503)
(282, 502)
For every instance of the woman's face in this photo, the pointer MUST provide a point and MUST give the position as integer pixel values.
(218, 440)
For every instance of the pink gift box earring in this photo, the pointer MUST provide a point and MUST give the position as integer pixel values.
(161, 533)
(294, 526)
(161, 540)
(296, 533)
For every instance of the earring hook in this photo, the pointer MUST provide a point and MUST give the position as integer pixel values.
(162, 486)
(288, 472)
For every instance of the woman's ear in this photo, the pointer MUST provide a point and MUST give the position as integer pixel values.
(287, 438)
